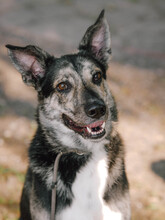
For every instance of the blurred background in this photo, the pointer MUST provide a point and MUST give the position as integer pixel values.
(136, 77)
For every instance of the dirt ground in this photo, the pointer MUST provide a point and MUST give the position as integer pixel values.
(136, 76)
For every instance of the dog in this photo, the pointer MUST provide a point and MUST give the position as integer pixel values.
(76, 112)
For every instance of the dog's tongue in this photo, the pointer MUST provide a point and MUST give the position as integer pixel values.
(95, 124)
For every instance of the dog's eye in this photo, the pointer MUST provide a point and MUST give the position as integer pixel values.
(63, 87)
(97, 78)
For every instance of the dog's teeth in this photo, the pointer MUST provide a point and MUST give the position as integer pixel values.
(96, 132)
(103, 125)
(89, 130)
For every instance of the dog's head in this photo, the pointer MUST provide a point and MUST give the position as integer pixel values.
(74, 99)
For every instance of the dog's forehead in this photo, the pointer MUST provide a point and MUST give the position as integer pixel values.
(75, 65)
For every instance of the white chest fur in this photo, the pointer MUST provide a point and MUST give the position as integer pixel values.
(88, 190)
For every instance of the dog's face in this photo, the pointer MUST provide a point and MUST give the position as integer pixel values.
(74, 99)
(78, 97)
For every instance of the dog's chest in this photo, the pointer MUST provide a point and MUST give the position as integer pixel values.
(88, 189)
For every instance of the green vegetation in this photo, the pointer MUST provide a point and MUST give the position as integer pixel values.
(9, 171)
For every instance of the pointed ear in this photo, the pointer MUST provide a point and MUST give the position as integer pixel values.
(31, 62)
(96, 40)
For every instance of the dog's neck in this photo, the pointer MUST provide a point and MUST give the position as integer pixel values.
(77, 156)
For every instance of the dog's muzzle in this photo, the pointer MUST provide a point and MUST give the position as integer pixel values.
(94, 130)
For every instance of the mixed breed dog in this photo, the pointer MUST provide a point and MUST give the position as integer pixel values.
(76, 111)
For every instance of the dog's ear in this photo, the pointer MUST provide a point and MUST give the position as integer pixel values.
(31, 62)
(96, 40)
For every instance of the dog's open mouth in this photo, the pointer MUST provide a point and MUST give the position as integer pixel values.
(94, 130)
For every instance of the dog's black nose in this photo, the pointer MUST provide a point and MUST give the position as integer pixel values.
(95, 110)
